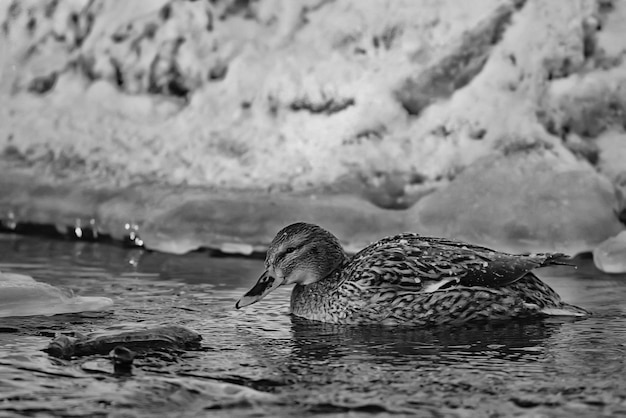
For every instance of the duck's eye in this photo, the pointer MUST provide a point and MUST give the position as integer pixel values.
(280, 256)
(289, 250)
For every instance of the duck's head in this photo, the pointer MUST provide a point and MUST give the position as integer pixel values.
(300, 253)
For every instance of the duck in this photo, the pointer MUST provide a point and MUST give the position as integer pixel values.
(406, 279)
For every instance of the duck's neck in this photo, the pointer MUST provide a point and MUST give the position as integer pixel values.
(327, 283)
(319, 301)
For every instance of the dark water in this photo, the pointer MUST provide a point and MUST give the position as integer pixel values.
(260, 362)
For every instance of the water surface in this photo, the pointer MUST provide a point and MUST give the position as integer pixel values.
(259, 361)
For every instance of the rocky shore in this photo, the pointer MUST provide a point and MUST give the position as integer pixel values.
(183, 124)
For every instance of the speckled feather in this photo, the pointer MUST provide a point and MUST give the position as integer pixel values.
(427, 264)
(417, 280)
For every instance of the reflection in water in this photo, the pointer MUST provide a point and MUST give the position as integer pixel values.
(396, 367)
(401, 344)
(261, 361)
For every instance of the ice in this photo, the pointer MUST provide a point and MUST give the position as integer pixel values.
(21, 295)
(610, 256)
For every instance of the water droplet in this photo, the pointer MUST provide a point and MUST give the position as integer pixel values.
(133, 233)
(94, 227)
(10, 222)
(135, 257)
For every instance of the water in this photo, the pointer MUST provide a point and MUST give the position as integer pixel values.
(259, 361)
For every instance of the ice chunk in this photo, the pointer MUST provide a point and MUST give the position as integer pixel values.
(21, 295)
(610, 256)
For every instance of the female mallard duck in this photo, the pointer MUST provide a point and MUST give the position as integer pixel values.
(405, 279)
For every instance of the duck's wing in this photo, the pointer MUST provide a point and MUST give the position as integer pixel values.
(428, 264)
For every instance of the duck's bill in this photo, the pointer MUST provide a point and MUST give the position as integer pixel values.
(263, 286)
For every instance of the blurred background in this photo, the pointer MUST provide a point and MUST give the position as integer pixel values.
(181, 124)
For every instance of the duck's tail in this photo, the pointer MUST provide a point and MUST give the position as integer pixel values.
(565, 309)
(562, 309)
(544, 300)
(558, 259)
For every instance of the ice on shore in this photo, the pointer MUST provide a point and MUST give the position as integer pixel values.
(21, 295)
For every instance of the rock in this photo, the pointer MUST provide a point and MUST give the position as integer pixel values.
(340, 105)
(104, 102)
(610, 255)
(23, 296)
(534, 201)
(590, 106)
(620, 192)
(144, 339)
(612, 154)
(122, 356)
(122, 359)
(452, 72)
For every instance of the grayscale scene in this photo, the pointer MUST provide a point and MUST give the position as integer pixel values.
(312, 208)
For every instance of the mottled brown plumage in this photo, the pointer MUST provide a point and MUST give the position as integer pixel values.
(405, 279)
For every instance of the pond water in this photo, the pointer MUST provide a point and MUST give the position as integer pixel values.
(259, 361)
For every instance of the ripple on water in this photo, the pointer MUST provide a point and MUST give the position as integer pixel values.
(259, 361)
